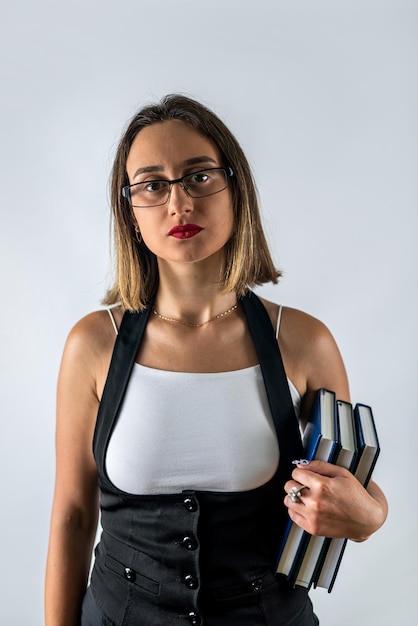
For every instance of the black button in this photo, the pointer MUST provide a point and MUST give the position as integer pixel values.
(194, 618)
(189, 543)
(256, 585)
(190, 581)
(130, 574)
(190, 504)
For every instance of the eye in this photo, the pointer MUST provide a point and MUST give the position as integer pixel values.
(155, 185)
(198, 177)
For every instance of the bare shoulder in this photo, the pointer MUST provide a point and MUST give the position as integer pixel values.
(310, 353)
(94, 333)
(297, 326)
(89, 347)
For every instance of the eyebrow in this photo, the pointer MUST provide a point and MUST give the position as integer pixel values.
(159, 168)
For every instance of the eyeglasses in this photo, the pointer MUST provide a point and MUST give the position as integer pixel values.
(197, 185)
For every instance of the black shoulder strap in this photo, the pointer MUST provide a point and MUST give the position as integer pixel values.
(275, 379)
(123, 358)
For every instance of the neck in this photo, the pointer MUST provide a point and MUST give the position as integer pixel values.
(191, 296)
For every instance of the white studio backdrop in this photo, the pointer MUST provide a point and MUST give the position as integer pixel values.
(323, 97)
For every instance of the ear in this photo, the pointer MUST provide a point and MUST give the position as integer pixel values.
(138, 235)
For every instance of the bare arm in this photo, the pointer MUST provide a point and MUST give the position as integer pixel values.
(336, 504)
(75, 507)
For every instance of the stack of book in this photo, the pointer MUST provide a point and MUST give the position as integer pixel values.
(338, 434)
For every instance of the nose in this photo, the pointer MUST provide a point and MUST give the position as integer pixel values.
(179, 201)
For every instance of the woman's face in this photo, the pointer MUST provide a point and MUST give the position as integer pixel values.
(184, 229)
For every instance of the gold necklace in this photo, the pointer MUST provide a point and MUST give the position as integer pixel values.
(215, 317)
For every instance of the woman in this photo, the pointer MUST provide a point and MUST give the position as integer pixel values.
(196, 431)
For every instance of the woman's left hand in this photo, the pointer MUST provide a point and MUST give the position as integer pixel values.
(334, 503)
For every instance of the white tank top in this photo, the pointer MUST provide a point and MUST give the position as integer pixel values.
(203, 431)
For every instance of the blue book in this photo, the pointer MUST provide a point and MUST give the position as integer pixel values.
(347, 456)
(368, 452)
(320, 442)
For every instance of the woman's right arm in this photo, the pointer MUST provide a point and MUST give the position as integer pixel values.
(75, 506)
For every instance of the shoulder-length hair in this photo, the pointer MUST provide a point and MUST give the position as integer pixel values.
(247, 258)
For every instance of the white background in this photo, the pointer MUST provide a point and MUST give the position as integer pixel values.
(323, 97)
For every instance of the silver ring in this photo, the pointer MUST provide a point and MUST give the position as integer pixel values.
(294, 493)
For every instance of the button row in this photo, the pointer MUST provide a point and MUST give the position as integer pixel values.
(190, 543)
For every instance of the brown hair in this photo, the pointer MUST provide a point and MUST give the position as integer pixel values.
(247, 259)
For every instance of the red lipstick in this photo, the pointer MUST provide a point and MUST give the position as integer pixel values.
(184, 231)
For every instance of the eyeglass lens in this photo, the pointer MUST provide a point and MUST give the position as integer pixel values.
(196, 185)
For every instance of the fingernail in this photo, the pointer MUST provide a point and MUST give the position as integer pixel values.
(301, 462)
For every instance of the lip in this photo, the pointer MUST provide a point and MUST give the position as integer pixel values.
(184, 231)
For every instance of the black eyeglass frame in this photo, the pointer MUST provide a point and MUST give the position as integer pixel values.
(126, 191)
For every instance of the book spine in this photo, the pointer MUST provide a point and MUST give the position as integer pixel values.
(327, 453)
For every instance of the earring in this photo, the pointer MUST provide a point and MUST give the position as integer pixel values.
(138, 236)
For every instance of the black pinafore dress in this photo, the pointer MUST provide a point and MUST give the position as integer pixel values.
(195, 557)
